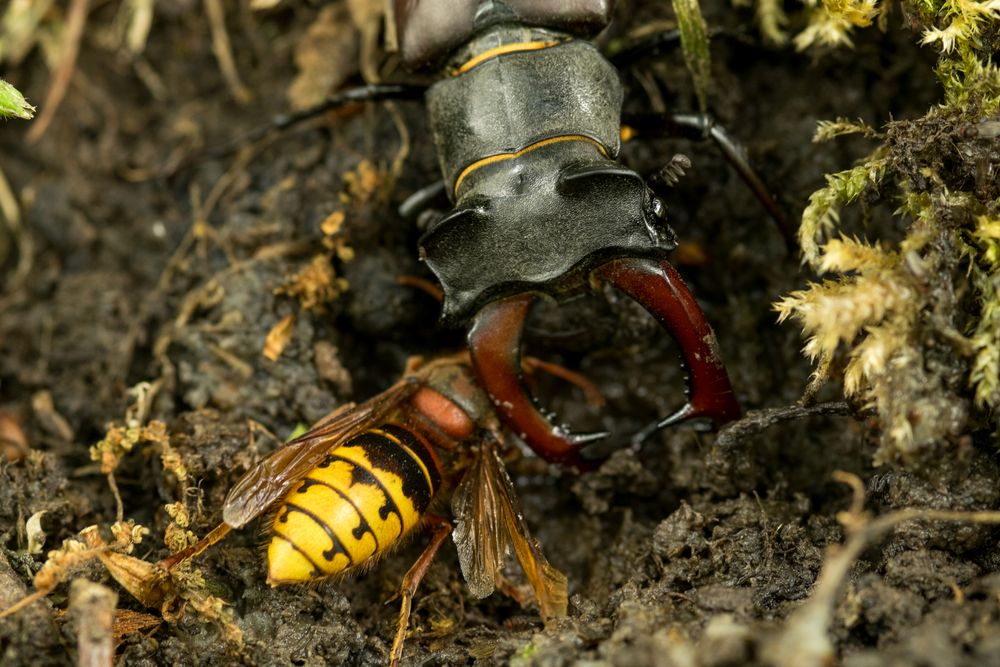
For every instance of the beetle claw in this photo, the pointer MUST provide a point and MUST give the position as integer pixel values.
(657, 286)
(495, 347)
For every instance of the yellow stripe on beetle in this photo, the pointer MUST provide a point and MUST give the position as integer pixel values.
(503, 49)
(492, 159)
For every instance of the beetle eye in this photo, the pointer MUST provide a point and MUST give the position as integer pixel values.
(659, 208)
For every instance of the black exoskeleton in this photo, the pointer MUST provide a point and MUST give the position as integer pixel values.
(527, 124)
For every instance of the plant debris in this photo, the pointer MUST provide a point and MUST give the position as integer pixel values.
(143, 273)
(919, 317)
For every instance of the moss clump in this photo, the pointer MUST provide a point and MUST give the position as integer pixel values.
(919, 318)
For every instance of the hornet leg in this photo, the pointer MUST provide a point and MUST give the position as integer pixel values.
(442, 529)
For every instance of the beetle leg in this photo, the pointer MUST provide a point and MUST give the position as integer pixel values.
(423, 199)
(657, 286)
(442, 529)
(701, 126)
(735, 155)
(654, 45)
(374, 92)
(495, 347)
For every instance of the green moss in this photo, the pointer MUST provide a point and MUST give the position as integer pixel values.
(822, 214)
(983, 255)
(918, 320)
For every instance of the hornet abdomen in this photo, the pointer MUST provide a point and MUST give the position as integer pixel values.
(354, 506)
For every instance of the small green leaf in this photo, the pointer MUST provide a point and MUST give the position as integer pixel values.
(12, 103)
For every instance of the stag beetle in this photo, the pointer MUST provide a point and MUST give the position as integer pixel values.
(526, 117)
(527, 121)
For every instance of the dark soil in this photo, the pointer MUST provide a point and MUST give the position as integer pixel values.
(154, 263)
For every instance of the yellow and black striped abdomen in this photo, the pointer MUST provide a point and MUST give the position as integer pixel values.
(365, 496)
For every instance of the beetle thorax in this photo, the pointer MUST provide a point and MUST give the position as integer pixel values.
(513, 87)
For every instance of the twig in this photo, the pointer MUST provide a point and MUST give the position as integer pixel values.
(195, 298)
(757, 421)
(119, 506)
(12, 592)
(804, 641)
(224, 52)
(75, 23)
(55, 570)
(94, 608)
(24, 602)
(399, 158)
